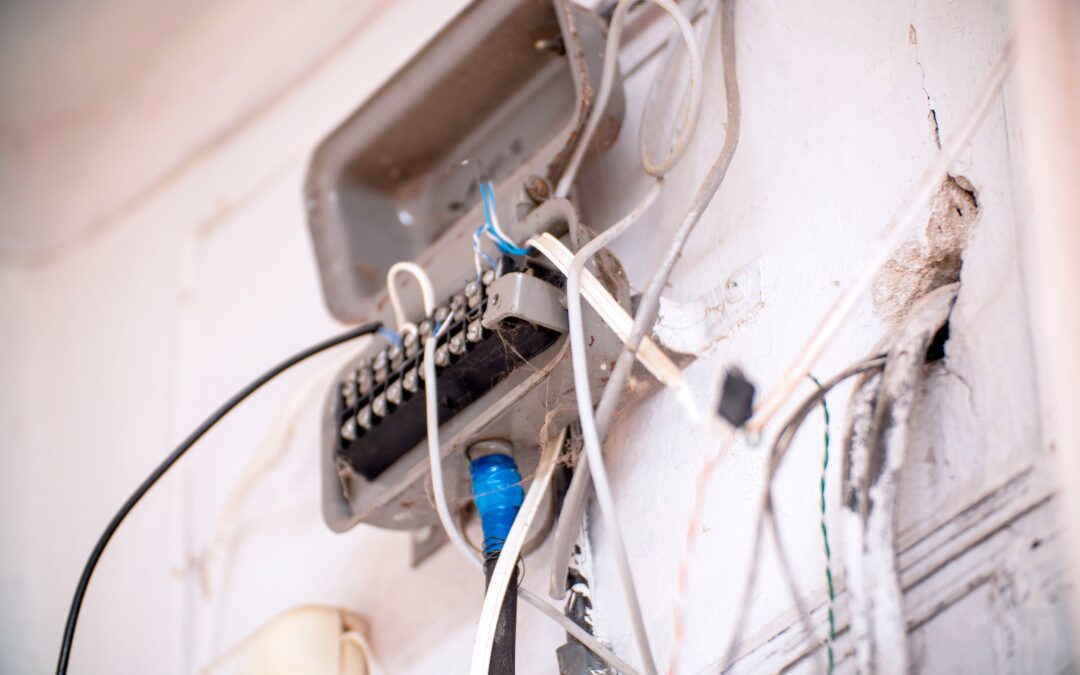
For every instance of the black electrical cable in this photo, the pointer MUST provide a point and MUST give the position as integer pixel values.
(140, 492)
(504, 646)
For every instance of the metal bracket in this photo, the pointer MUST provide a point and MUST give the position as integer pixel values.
(525, 297)
(425, 542)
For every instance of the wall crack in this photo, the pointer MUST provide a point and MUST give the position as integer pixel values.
(931, 116)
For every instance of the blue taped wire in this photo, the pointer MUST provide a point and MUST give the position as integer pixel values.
(497, 491)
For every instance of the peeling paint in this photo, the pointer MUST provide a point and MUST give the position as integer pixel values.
(697, 326)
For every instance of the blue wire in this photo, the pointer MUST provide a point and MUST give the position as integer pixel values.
(487, 196)
(478, 252)
(390, 335)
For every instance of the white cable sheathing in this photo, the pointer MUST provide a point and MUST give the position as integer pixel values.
(438, 487)
(665, 71)
(607, 81)
(426, 291)
(566, 530)
(604, 497)
(610, 311)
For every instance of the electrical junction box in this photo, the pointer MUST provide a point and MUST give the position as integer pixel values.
(500, 95)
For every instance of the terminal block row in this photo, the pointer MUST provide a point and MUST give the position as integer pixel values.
(381, 402)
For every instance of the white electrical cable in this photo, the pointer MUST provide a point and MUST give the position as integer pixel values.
(644, 319)
(580, 634)
(665, 71)
(426, 291)
(899, 227)
(566, 531)
(438, 487)
(607, 81)
(611, 312)
(591, 439)
(507, 563)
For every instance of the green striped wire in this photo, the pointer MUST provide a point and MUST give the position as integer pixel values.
(825, 532)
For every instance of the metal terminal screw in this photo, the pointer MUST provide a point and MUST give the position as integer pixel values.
(411, 343)
(441, 313)
(488, 278)
(348, 430)
(457, 344)
(457, 302)
(411, 381)
(474, 332)
(442, 356)
(381, 361)
(348, 393)
(378, 406)
(393, 392)
(365, 379)
(394, 354)
(363, 418)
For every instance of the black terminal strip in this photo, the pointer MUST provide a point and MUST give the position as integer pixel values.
(381, 403)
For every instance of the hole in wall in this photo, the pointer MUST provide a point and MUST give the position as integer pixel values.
(936, 350)
(932, 260)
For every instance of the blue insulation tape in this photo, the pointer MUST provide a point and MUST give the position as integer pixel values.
(497, 490)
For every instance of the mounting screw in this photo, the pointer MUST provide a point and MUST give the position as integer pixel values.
(538, 189)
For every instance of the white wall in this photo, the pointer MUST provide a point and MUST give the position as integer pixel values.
(155, 257)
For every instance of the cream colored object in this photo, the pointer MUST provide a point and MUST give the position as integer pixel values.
(650, 355)
(314, 640)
